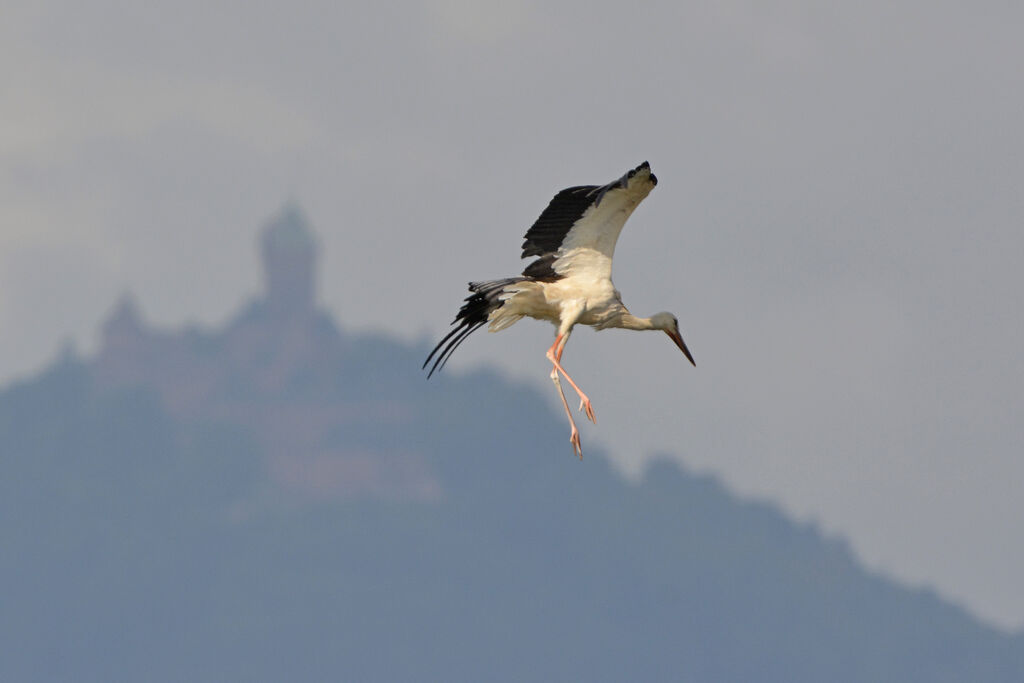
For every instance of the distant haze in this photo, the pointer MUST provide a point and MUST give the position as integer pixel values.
(837, 226)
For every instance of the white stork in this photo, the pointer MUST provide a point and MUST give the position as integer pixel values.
(570, 282)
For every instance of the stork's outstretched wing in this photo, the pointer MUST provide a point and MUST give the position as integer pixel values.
(579, 228)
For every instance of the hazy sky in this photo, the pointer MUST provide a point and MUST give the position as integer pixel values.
(837, 226)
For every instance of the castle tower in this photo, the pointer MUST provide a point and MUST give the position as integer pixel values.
(123, 328)
(289, 263)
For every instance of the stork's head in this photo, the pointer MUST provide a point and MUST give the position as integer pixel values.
(670, 325)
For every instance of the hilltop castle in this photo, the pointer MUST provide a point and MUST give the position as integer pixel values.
(289, 253)
(270, 338)
(278, 369)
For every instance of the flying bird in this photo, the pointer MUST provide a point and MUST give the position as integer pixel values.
(569, 282)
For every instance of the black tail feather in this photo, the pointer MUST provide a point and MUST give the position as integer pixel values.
(471, 317)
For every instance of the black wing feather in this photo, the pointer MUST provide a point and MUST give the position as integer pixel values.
(547, 233)
(543, 269)
(473, 315)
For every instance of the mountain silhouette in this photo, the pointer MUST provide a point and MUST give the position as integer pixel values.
(271, 500)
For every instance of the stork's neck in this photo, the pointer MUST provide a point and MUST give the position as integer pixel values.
(631, 322)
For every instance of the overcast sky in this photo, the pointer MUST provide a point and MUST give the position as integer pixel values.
(837, 226)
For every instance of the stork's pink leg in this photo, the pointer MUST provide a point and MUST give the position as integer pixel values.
(554, 355)
(574, 436)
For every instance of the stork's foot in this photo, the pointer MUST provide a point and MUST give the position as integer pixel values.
(586, 407)
(574, 439)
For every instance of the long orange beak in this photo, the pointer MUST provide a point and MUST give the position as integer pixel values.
(678, 339)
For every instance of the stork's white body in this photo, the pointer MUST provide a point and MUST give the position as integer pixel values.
(571, 281)
(566, 302)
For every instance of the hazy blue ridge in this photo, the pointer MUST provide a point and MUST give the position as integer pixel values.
(141, 545)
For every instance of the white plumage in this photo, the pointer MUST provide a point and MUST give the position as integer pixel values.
(569, 283)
